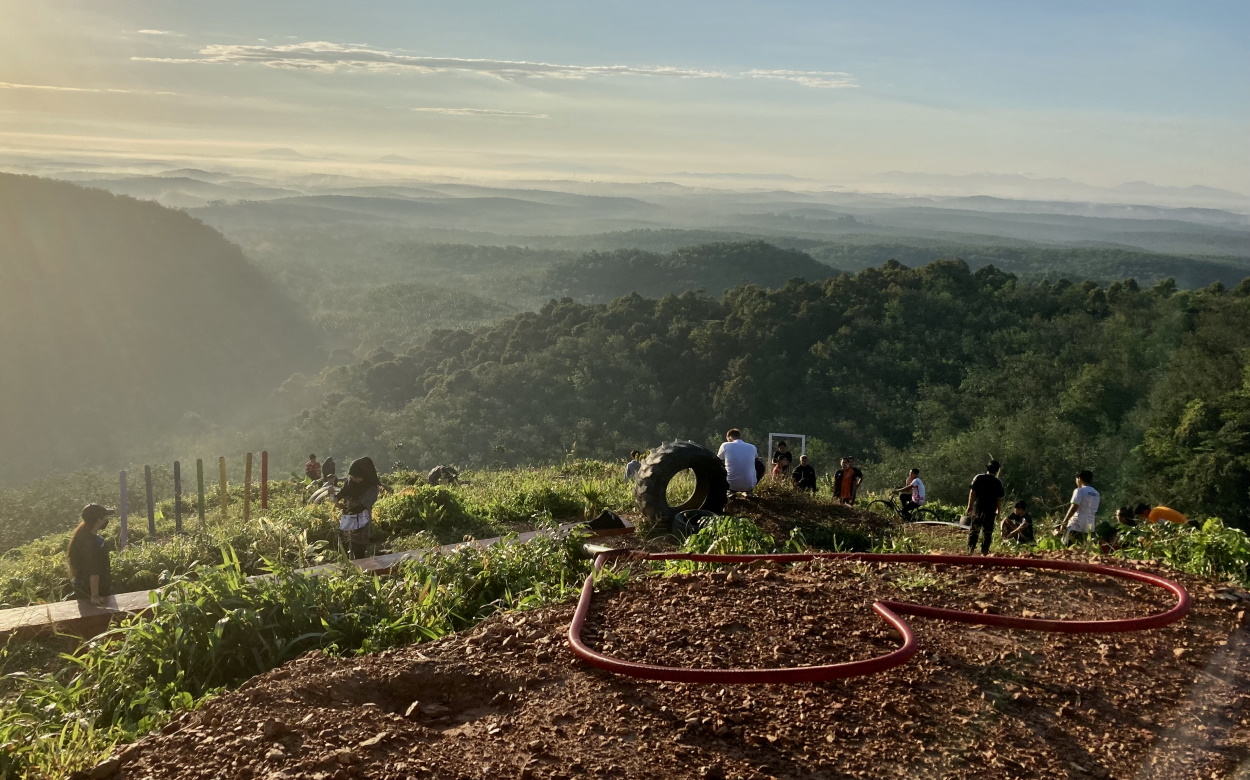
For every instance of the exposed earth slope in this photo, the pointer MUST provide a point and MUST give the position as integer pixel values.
(508, 699)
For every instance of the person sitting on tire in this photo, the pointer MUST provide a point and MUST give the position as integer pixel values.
(739, 458)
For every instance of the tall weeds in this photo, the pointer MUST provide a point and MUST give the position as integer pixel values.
(212, 632)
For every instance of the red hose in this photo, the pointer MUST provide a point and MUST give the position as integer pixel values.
(888, 610)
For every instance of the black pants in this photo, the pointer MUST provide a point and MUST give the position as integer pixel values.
(981, 523)
(356, 543)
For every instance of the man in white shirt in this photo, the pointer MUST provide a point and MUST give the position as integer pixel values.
(913, 492)
(1080, 517)
(739, 457)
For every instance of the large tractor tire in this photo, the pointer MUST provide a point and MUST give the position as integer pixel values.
(665, 462)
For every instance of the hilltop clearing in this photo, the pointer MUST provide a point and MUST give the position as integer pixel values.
(507, 699)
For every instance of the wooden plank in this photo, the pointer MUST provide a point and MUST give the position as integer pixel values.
(82, 619)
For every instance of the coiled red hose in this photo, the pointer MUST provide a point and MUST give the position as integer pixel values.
(888, 610)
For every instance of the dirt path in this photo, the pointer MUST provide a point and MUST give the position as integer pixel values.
(508, 700)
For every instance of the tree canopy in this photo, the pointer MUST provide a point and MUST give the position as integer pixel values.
(937, 366)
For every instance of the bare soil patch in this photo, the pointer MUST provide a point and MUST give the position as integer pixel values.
(508, 700)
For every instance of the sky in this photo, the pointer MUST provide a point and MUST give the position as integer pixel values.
(1101, 93)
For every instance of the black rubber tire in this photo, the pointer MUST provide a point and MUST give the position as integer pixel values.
(667, 461)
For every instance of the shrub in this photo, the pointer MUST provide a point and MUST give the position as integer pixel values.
(437, 510)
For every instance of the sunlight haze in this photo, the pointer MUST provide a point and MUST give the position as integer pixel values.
(833, 92)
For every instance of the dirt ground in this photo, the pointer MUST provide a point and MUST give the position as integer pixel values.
(508, 699)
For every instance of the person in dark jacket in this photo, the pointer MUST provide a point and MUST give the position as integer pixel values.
(805, 475)
(328, 468)
(89, 556)
(356, 499)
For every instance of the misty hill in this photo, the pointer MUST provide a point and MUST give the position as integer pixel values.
(712, 267)
(119, 317)
(1039, 261)
(397, 315)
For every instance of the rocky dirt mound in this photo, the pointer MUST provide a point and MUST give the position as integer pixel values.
(508, 700)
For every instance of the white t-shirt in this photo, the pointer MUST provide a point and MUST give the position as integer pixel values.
(917, 491)
(1086, 500)
(739, 460)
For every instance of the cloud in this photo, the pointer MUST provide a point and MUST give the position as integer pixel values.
(481, 112)
(160, 32)
(323, 56)
(52, 88)
(824, 79)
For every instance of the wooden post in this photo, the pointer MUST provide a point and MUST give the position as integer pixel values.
(177, 497)
(147, 480)
(247, 489)
(264, 481)
(199, 477)
(124, 533)
(225, 498)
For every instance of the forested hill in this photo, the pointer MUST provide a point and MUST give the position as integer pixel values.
(937, 366)
(118, 318)
(714, 267)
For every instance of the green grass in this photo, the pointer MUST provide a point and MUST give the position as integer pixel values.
(487, 503)
(214, 631)
(211, 627)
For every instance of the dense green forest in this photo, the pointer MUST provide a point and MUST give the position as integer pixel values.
(145, 329)
(120, 318)
(599, 276)
(938, 366)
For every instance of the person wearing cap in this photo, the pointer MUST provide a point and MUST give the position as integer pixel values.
(89, 556)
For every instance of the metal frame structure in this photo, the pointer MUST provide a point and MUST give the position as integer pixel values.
(802, 442)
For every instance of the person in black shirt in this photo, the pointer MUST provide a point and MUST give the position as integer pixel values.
(89, 556)
(1018, 526)
(782, 459)
(805, 475)
(985, 501)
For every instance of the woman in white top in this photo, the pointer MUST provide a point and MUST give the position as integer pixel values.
(356, 500)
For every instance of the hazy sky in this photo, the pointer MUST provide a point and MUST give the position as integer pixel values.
(1101, 92)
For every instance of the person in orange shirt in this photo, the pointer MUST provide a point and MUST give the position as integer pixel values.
(847, 480)
(1160, 514)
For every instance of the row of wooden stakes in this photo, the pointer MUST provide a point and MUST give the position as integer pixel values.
(223, 494)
